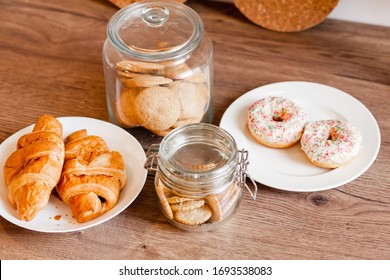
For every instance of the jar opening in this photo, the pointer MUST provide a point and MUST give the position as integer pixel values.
(198, 158)
(152, 30)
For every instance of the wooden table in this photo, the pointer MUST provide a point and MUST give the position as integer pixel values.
(51, 64)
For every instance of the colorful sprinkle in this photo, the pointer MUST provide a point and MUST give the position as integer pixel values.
(276, 120)
(331, 142)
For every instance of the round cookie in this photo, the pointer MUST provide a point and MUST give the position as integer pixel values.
(221, 203)
(143, 80)
(194, 217)
(192, 101)
(139, 67)
(161, 193)
(157, 108)
(216, 208)
(178, 199)
(187, 205)
(125, 108)
(177, 72)
(197, 77)
(203, 91)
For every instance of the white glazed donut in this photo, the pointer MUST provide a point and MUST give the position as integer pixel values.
(331, 143)
(276, 121)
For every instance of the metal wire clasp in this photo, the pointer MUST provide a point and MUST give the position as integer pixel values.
(243, 173)
(152, 157)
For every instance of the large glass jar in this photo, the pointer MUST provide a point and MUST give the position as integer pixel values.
(200, 175)
(158, 67)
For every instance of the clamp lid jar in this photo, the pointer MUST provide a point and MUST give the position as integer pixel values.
(158, 69)
(199, 178)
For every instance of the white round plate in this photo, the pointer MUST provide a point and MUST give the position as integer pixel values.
(289, 169)
(57, 216)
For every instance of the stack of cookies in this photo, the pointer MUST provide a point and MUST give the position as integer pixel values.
(196, 212)
(160, 97)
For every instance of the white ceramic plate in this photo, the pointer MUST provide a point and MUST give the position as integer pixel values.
(57, 216)
(289, 169)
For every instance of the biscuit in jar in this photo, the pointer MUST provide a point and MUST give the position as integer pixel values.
(157, 108)
(124, 108)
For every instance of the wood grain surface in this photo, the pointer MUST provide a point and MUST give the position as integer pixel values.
(51, 63)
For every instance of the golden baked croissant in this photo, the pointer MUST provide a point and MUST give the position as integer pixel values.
(34, 169)
(92, 176)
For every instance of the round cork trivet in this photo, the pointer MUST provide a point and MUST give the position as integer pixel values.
(124, 3)
(286, 15)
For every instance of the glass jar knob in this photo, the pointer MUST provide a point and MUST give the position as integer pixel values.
(155, 16)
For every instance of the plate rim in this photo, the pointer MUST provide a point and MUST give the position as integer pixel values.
(265, 90)
(88, 121)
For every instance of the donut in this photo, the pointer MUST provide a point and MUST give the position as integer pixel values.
(276, 122)
(331, 143)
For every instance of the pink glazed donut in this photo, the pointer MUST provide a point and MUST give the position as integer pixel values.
(276, 121)
(331, 143)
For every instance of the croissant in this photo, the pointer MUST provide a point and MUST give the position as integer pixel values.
(92, 177)
(34, 169)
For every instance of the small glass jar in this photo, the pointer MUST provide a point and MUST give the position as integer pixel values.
(158, 68)
(200, 175)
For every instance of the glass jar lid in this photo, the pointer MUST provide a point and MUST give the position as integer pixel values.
(198, 159)
(155, 30)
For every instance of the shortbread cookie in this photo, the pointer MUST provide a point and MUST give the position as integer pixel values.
(167, 192)
(222, 202)
(125, 106)
(157, 108)
(160, 190)
(177, 72)
(187, 205)
(231, 200)
(125, 74)
(194, 217)
(144, 80)
(192, 99)
(202, 91)
(226, 193)
(197, 77)
(178, 199)
(224, 196)
(139, 67)
(213, 202)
